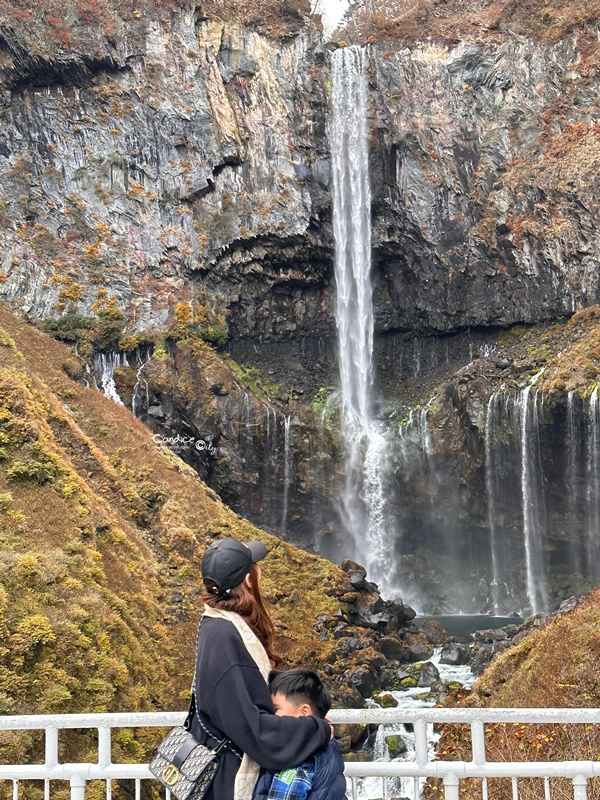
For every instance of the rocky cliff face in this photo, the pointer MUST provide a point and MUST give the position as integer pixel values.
(169, 158)
(495, 480)
(192, 159)
(485, 201)
(186, 157)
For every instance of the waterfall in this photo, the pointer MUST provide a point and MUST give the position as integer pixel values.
(415, 440)
(572, 478)
(270, 438)
(556, 486)
(105, 366)
(531, 470)
(492, 490)
(593, 490)
(366, 447)
(514, 472)
(352, 231)
(287, 470)
(136, 405)
(417, 356)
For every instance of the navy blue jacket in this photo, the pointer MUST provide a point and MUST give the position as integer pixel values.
(329, 782)
(233, 700)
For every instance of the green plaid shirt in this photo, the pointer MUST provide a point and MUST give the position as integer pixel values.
(293, 784)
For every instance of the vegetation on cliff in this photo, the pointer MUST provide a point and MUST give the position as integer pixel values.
(565, 353)
(450, 21)
(556, 666)
(91, 28)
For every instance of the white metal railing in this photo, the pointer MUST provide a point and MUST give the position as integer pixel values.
(418, 768)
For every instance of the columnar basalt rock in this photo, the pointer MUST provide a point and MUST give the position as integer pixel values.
(190, 156)
(196, 162)
(484, 207)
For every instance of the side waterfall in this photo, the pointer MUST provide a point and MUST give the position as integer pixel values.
(593, 490)
(512, 437)
(363, 500)
(104, 366)
(574, 455)
(517, 467)
(492, 489)
(533, 500)
(287, 471)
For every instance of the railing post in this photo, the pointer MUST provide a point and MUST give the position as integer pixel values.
(579, 787)
(478, 742)
(420, 729)
(51, 747)
(104, 746)
(451, 783)
(77, 787)
(515, 788)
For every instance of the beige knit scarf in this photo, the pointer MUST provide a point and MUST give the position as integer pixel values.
(247, 775)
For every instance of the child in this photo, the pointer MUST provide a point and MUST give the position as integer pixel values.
(300, 693)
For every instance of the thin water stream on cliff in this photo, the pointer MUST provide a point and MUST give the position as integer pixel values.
(104, 366)
(514, 428)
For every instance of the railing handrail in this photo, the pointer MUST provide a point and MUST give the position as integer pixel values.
(420, 767)
(153, 719)
(118, 719)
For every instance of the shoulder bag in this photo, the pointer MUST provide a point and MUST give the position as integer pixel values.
(184, 766)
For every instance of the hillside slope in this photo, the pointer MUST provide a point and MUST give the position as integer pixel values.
(553, 667)
(102, 532)
(557, 666)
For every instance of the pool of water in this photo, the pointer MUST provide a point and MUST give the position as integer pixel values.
(463, 625)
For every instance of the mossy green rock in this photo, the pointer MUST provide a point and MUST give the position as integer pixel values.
(408, 683)
(385, 700)
(395, 745)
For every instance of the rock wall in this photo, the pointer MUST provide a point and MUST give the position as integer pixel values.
(194, 161)
(484, 198)
(189, 159)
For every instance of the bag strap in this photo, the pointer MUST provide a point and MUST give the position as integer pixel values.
(187, 724)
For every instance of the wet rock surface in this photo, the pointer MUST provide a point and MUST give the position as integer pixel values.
(371, 636)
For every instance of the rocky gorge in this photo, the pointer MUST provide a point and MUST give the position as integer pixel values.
(165, 187)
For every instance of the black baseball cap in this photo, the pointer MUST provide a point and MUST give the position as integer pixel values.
(228, 561)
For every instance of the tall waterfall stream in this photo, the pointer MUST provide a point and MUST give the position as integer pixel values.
(365, 441)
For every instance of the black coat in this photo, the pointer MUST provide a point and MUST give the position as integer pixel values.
(232, 699)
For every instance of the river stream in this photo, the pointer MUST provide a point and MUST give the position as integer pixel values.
(420, 697)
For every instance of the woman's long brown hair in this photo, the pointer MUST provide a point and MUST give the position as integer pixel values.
(247, 601)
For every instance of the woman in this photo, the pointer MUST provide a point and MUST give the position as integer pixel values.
(234, 655)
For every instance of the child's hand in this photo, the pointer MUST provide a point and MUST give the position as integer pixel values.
(331, 724)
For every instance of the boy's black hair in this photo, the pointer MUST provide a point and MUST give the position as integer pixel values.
(302, 686)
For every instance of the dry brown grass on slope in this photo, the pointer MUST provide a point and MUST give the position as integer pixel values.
(105, 533)
(449, 21)
(556, 666)
(53, 28)
(273, 18)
